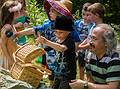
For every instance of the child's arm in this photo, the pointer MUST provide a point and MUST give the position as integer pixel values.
(51, 44)
(34, 29)
(28, 31)
(84, 45)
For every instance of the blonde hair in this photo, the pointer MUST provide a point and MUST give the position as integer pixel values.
(68, 4)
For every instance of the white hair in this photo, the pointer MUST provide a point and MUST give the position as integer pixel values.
(109, 38)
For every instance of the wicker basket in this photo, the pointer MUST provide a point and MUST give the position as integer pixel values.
(25, 68)
(27, 53)
(29, 73)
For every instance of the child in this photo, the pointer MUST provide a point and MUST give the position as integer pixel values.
(82, 27)
(7, 45)
(65, 48)
(96, 13)
(53, 8)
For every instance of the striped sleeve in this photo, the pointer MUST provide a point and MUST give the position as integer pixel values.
(113, 70)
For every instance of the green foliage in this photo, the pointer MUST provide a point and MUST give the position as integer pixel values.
(112, 15)
(35, 12)
(118, 35)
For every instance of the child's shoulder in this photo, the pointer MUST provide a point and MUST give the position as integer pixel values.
(47, 21)
(92, 25)
(78, 21)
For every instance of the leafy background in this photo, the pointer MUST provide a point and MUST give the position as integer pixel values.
(112, 15)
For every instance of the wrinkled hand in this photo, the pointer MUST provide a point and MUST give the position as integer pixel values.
(41, 40)
(76, 84)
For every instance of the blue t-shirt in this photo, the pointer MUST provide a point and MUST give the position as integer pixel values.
(82, 30)
(47, 30)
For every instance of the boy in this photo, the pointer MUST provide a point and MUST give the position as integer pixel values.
(96, 13)
(65, 49)
(83, 27)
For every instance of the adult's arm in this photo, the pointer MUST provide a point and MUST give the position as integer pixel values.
(78, 84)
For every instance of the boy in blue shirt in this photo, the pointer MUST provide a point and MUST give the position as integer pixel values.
(83, 27)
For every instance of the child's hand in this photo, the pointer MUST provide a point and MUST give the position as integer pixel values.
(17, 34)
(41, 40)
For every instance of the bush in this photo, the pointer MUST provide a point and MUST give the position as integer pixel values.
(35, 12)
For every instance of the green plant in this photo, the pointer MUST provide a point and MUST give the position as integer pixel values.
(36, 14)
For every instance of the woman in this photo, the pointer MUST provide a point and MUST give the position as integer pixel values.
(7, 45)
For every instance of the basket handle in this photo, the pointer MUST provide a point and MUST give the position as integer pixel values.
(39, 67)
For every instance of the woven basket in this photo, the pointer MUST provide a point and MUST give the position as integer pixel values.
(28, 73)
(24, 69)
(27, 53)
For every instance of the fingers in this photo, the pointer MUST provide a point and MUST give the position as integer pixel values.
(37, 41)
(73, 81)
(76, 84)
(41, 40)
(72, 85)
(38, 34)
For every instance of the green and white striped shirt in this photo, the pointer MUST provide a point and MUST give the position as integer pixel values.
(104, 70)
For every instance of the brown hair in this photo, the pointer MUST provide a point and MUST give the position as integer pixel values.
(97, 8)
(85, 6)
(5, 16)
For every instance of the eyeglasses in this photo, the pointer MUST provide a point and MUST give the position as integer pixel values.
(92, 38)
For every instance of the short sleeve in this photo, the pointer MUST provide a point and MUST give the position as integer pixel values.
(44, 26)
(113, 70)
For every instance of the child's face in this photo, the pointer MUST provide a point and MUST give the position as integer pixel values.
(86, 16)
(60, 34)
(53, 14)
(92, 16)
